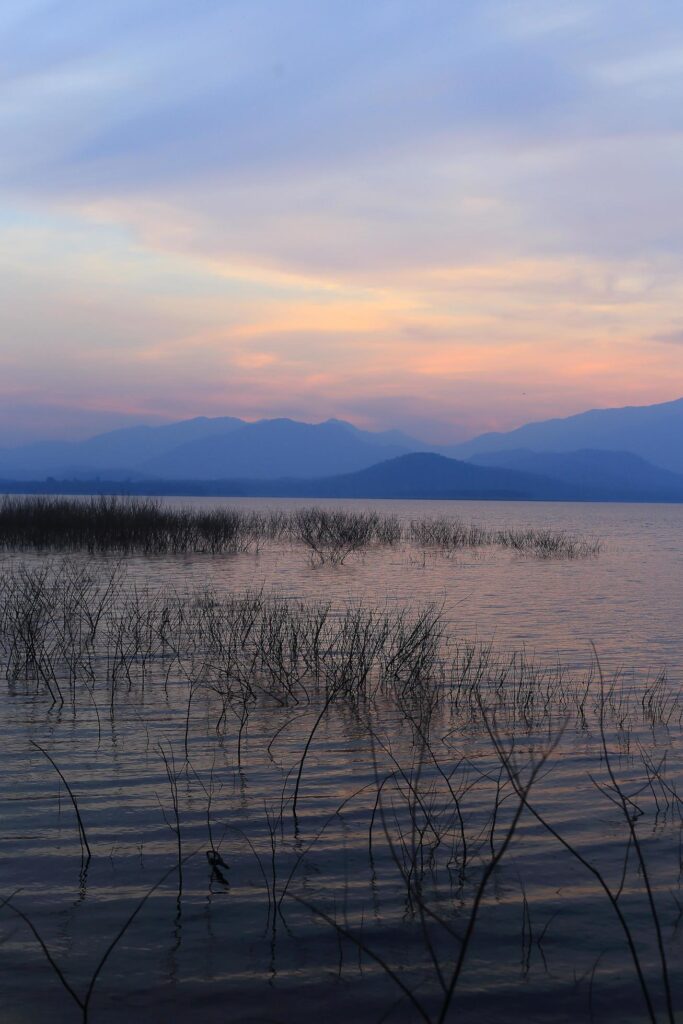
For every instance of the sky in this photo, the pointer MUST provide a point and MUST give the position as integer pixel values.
(447, 217)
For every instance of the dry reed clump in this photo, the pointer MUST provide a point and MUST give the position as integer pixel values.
(451, 534)
(147, 526)
(66, 629)
(547, 543)
(333, 534)
(127, 526)
(448, 534)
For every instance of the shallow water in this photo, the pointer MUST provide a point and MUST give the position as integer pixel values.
(628, 601)
(547, 943)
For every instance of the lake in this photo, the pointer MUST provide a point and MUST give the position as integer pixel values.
(419, 785)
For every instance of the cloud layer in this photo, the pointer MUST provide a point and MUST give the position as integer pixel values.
(448, 217)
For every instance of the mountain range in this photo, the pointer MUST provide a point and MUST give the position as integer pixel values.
(654, 432)
(210, 449)
(629, 454)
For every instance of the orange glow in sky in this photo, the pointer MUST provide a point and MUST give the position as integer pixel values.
(431, 216)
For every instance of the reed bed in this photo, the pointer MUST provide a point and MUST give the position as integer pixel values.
(64, 627)
(439, 813)
(128, 526)
(452, 534)
(149, 527)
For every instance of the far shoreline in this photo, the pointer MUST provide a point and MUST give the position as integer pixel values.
(299, 490)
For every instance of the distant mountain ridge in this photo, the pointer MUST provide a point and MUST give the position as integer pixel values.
(635, 453)
(590, 471)
(203, 448)
(273, 448)
(654, 432)
(117, 450)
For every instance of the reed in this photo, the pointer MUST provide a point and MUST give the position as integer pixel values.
(146, 526)
(440, 818)
(83, 1002)
(68, 634)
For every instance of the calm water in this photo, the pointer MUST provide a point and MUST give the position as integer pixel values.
(400, 806)
(629, 600)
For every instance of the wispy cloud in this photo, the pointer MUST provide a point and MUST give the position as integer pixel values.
(670, 337)
(471, 209)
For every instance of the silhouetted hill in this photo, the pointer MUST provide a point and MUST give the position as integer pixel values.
(416, 475)
(654, 432)
(426, 475)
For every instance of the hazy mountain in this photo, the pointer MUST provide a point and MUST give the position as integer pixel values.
(116, 453)
(388, 438)
(229, 449)
(135, 443)
(204, 448)
(416, 475)
(655, 432)
(419, 475)
(590, 472)
(270, 449)
(426, 475)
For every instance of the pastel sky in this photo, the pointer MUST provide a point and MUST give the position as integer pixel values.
(444, 216)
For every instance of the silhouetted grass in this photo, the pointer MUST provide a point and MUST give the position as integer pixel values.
(146, 526)
(333, 534)
(438, 808)
(128, 526)
(451, 534)
(66, 629)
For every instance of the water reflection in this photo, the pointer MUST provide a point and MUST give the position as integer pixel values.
(403, 801)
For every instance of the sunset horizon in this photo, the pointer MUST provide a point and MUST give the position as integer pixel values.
(451, 223)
